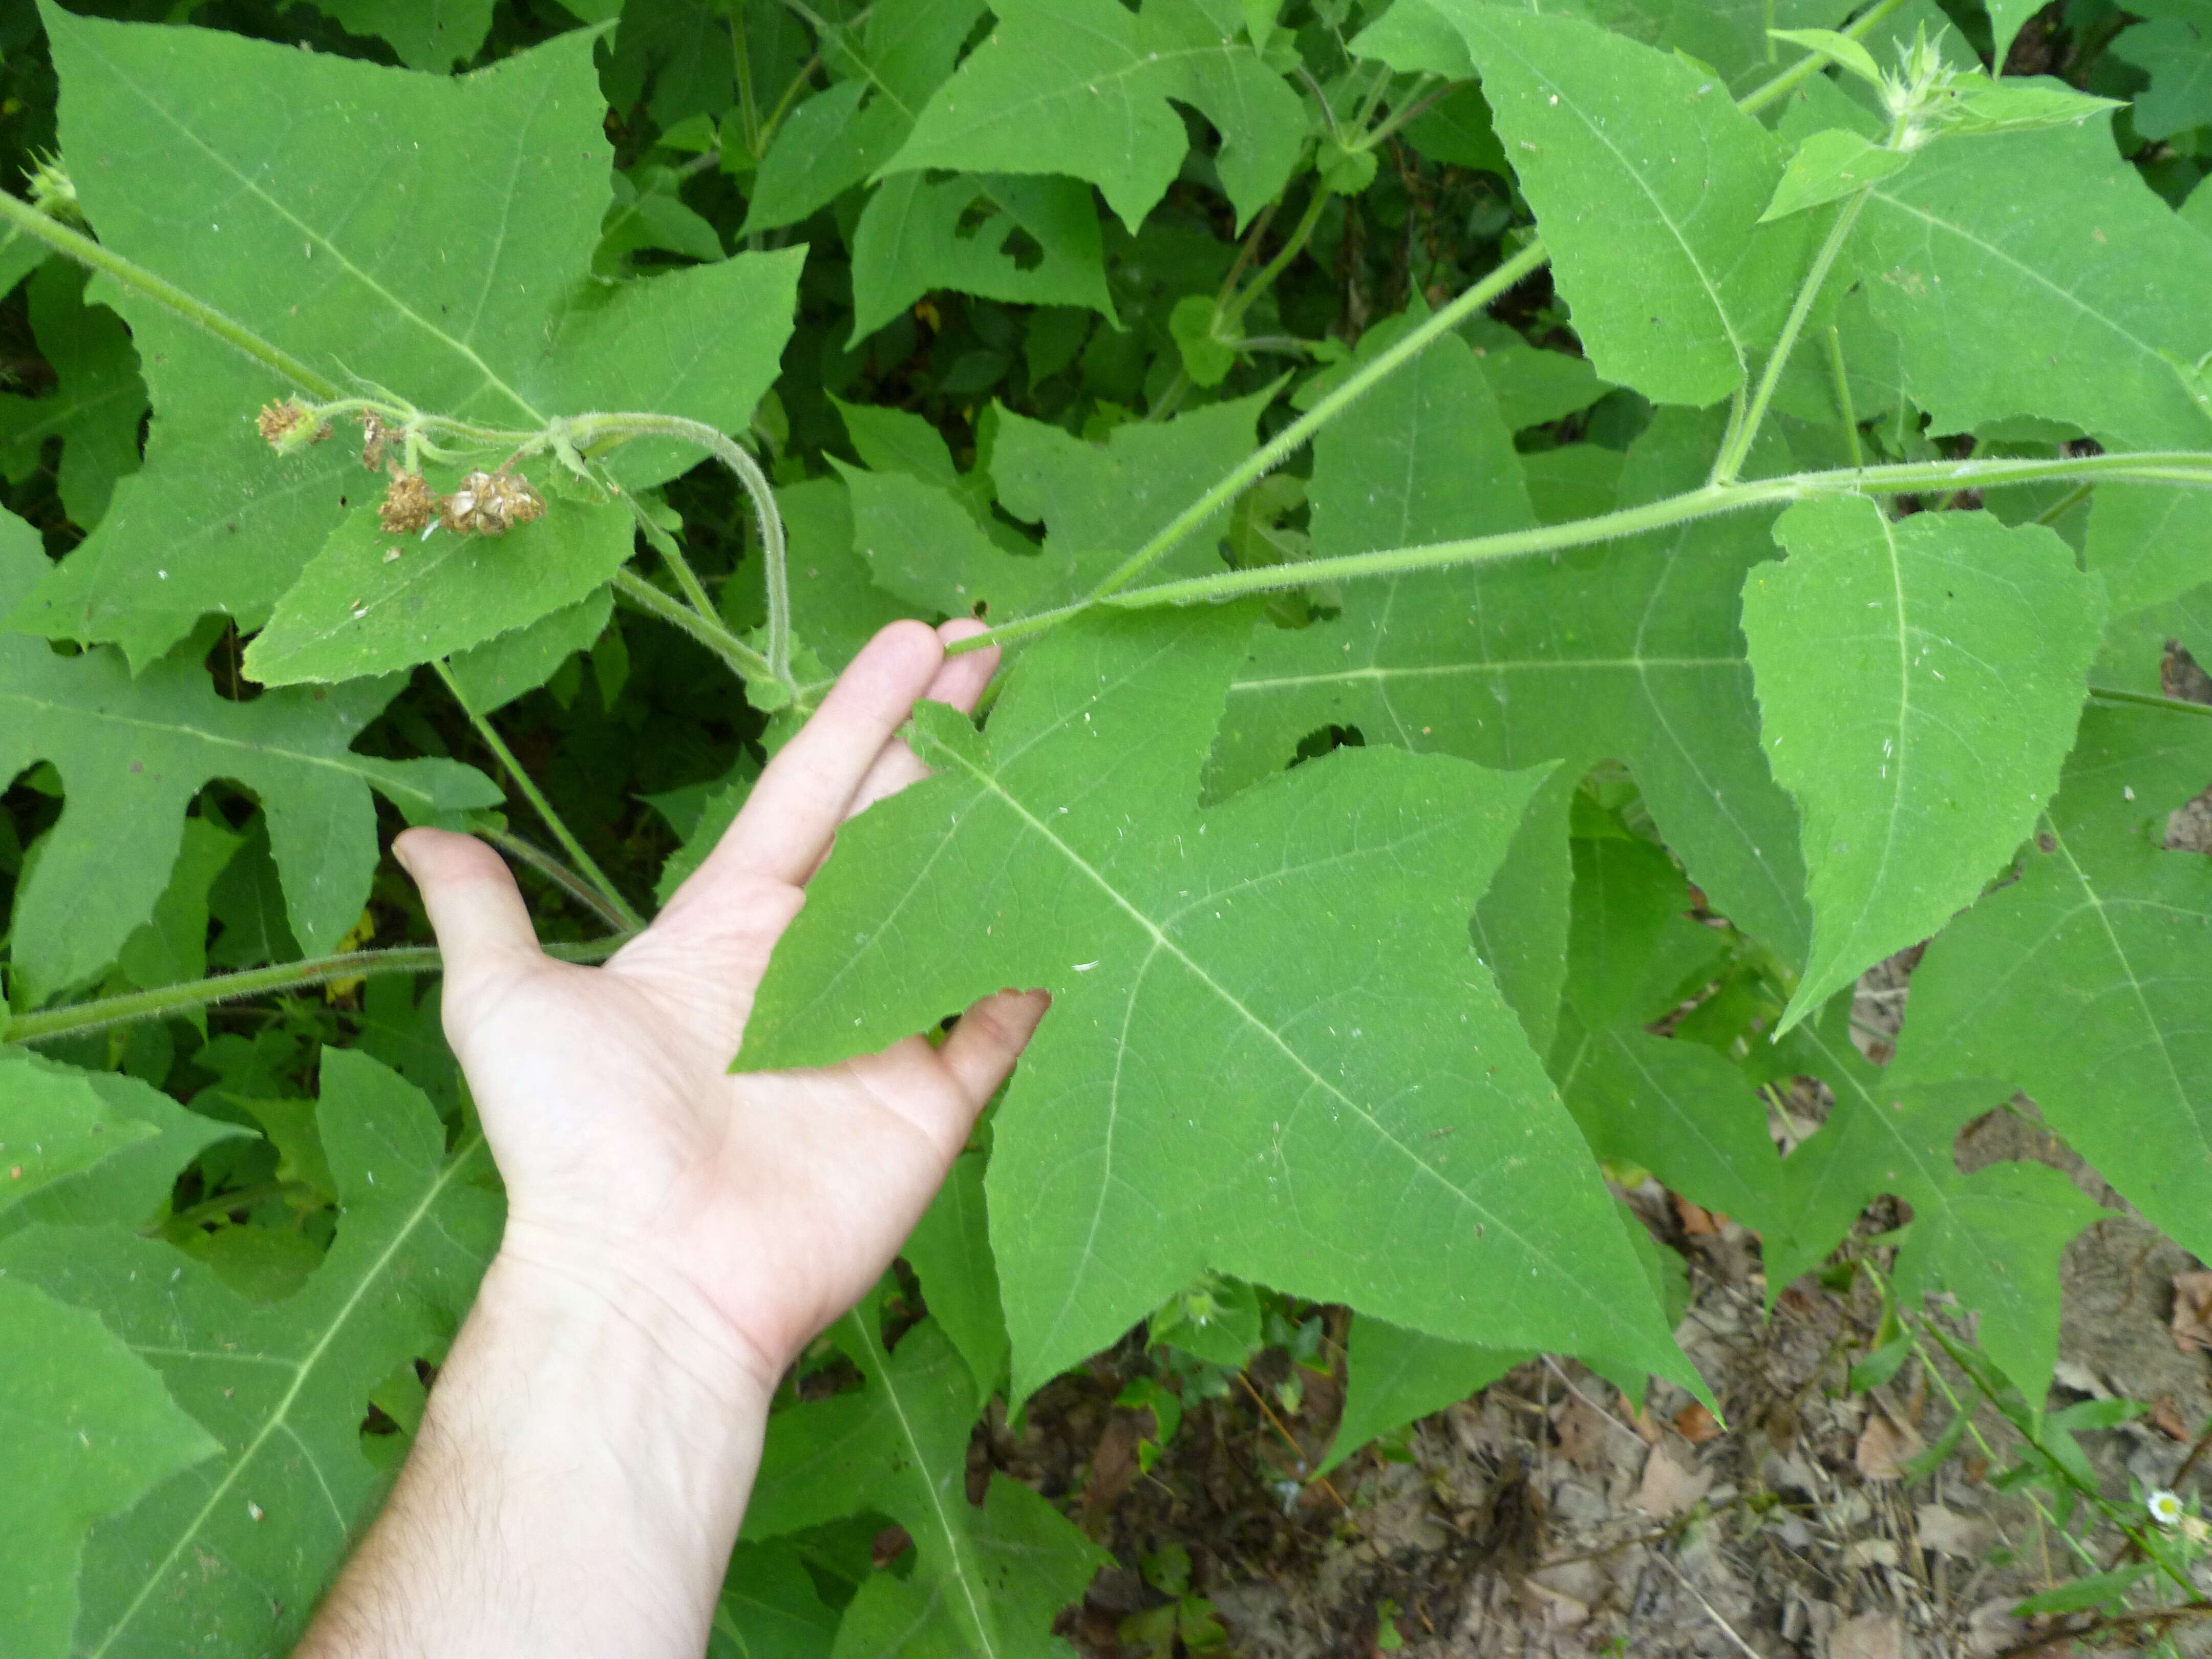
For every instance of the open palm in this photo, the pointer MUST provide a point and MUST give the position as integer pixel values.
(760, 1204)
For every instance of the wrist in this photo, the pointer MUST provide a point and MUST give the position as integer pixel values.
(606, 1303)
(608, 1410)
(593, 1439)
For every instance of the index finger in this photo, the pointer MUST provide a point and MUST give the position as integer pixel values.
(807, 790)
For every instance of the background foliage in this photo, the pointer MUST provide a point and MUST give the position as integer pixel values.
(1752, 526)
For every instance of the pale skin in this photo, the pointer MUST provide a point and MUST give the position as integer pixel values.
(676, 1234)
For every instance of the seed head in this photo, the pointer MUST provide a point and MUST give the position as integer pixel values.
(490, 504)
(409, 504)
(289, 425)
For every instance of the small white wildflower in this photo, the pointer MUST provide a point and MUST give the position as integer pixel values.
(2165, 1508)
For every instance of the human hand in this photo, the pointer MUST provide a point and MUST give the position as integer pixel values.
(748, 1211)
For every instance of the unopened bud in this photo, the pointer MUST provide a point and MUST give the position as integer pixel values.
(490, 504)
(53, 192)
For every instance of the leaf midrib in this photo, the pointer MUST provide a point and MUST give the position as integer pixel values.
(67, 713)
(1162, 942)
(464, 1155)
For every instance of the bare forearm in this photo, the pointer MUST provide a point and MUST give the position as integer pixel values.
(575, 1490)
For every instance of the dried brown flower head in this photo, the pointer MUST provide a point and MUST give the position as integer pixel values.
(490, 504)
(288, 426)
(409, 503)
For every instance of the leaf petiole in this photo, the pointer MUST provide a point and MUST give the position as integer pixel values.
(610, 903)
(2180, 466)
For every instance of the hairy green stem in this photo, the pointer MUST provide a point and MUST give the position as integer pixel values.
(1422, 99)
(562, 877)
(741, 659)
(86, 252)
(614, 904)
(1843, 389)
(1229, 315)
(1272, 453)
(586, 430)
(72, 1019)
(1813, 61)
(1746, 432)
(2184, 467)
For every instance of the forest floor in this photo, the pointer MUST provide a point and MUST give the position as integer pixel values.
(1548, 1516)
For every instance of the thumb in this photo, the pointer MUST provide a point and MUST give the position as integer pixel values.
(475, 908)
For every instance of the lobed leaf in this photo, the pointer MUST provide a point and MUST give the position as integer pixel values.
(89, 1429)
(133, 753)
(1199, 1098)
(230, 1554)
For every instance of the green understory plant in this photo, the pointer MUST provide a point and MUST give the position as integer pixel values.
(1534, 548)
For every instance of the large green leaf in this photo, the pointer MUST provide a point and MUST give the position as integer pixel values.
(1647, 184)
(1200, 1097)
(1967, 268)
(1100, 501)
(229, 1556)
(1083, 88)
(89, 1429)
(133, 753)
(987, 1581)
(2085, 982)
(1627, 651)
(434, 242)
(1918, 686)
